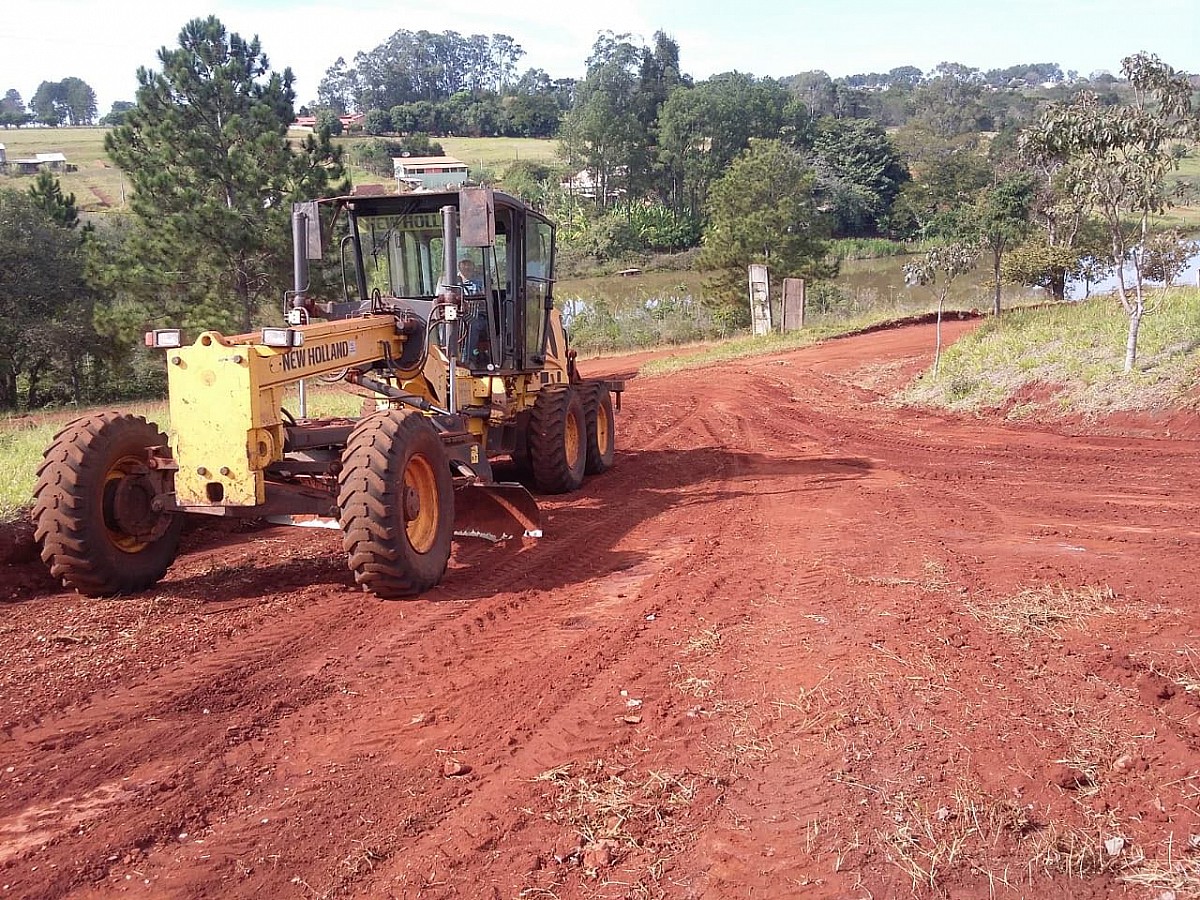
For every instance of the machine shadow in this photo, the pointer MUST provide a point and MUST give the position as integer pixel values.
(582, 530)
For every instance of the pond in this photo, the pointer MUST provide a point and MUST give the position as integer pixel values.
(864, 284)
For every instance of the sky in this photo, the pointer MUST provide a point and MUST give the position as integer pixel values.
(104, 43)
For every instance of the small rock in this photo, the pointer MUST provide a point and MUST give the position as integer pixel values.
(1194, 841)
(1114, 845)
(598, 855)
(452, 768)
(1165, 895)
(633, 703)
(1067, 778)
(630, 720)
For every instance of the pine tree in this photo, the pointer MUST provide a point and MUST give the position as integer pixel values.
(213, 178)
(48, 194)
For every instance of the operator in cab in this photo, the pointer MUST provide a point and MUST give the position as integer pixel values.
(468, 276)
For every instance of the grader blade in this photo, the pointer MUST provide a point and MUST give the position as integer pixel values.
(496, 512)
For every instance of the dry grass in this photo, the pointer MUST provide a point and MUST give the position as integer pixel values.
(602, 802)
(706, 642)
(1002, 842)
(1044, 610)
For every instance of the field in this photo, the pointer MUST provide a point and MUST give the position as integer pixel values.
(800, 641)
(99, 186)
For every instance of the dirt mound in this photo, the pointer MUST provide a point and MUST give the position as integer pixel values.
(16, 541)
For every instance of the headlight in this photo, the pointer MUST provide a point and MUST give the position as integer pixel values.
(282, 337)
(164, 337)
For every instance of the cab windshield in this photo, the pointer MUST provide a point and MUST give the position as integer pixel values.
(403, 257)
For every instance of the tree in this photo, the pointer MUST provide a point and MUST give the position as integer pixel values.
(79, 100)
(1000, 217)
(947, 175)
(703, 129)
(858, 154)
(47, 193)
(49, 103)
(602, 131)
(12, 110)
(938, 268)
(207, 152)
(1166, 256)
(1115, 160)
(71, 100)
(116, 115)
(764, 209)
(45, 306)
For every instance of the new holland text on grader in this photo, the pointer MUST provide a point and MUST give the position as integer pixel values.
(466, 357)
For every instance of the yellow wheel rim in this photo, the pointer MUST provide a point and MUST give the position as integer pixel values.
(571, 438)
(601, 430)
(420, 504)
(123, 540)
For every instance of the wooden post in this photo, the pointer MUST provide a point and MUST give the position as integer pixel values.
(793, 304)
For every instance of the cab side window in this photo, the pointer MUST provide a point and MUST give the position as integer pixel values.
(539, 245)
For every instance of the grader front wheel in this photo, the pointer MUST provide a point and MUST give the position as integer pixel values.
(93, 513)
(397, 504)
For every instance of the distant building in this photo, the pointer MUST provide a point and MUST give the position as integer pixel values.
(429, 172)
(309, 123)
(55, 162)
(583, 185)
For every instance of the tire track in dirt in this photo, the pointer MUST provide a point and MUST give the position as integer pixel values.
(799, 582)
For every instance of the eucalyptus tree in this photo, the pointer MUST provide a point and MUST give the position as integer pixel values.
(938, 268)
(603, 132)
(1115, 161)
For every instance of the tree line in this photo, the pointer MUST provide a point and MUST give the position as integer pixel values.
(742, 168)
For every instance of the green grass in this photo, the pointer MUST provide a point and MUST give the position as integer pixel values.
(488, 153)
(1069, 358)
(870, 248)
(23, 438)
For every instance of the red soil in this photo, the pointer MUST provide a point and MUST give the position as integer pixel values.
(798, 642)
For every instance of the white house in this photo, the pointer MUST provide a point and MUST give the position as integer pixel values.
(429, 172)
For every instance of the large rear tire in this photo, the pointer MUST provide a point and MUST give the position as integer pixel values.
(601, 431)
(396, 497)
(93, 517)
(558, 440)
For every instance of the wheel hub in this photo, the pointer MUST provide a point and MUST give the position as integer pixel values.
(412, 502)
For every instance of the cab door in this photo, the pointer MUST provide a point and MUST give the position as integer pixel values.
(539, 285)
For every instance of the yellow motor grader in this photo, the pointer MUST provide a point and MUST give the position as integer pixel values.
(445, 318)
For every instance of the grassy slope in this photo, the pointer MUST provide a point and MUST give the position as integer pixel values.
(1069, 358)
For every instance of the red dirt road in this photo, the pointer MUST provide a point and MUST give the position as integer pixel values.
(799, 642)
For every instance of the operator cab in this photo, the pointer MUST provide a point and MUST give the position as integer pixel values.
(394, 251)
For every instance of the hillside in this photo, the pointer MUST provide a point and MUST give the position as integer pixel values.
(1064, 362)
